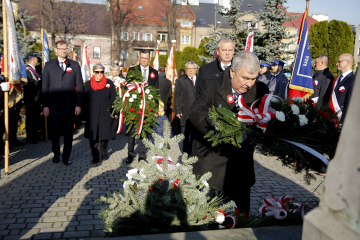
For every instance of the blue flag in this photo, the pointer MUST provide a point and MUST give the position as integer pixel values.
(301, 84)
(45, 48)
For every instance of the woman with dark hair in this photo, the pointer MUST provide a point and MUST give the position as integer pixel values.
(99, 96)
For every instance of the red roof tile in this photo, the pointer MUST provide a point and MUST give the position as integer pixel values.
(297, 21)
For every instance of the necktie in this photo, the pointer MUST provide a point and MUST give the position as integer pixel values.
(236, 98)
(62, 66)
(340, 78)
(192, 80)
(225, 66)
(144, 74)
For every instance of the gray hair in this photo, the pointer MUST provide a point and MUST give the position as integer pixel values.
(246, 59)
(97, 66)
(191, 62)
(114, 67)
(224, 40)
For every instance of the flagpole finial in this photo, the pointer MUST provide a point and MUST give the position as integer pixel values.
(307, 4)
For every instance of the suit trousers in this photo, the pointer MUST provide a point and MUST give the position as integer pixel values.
(32, 120)
(131, 145)
(14, 116)
(59, 125)
(188, 132)
(94, 145)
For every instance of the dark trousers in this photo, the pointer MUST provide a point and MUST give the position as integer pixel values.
(14, 115)
(59, 125)
(32, 120)
(131, 145)
(188, 131)
(94, 145)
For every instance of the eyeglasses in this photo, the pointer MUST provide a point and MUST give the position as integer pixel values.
(99, 72)
(62, 49)
(341, 61)
(191, 69)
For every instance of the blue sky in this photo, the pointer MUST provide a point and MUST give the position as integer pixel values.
(344, 10)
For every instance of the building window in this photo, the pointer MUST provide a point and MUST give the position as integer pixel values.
(124, 54)
(136, 36)
(142, 17)
(358, 51)
(162, 52)
(77, 50)
(185, 39)
(136, 54)
(184, 14)
(186, 23)
(250, 6)
(147, 37)
(250, 25)
(97, 52)
(140, 7)
(218, 22)
(124, 36)
(163, 18)
(202, 21)
(162, 37)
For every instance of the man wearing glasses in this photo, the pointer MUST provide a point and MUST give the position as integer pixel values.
(62, 89)
(342, 86)
(185, 93)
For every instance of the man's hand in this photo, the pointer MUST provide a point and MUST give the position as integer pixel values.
(83, 121)
(179, 115)
(77, 110)
(46, 111)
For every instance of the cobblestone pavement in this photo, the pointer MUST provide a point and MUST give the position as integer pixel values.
(43, 200)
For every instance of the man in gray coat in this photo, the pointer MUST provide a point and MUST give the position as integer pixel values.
(185, 92)
(264, 74)
(279, 81)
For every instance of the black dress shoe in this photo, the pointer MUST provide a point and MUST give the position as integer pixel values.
(142, 159)
(95, 160)
(104, 156)
(129, 160)
(56, 158)
(66, 161)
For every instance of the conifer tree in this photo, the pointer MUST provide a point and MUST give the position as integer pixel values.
(274, 33)
(319, 38)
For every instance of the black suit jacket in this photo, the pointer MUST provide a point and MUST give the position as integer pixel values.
(184, 97)
(62, 91)
(32, 89)
(225, 162)
(151, 81)
(208, 69)
(165, 90)
(344, 98)
(323, 80)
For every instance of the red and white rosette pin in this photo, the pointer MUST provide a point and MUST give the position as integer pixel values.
(277, 208)
(68, 70)
(261, 115)
(316, 82)
(152, 75)
(107, 85)
(341, 89)
(131, 87)
(230, 98)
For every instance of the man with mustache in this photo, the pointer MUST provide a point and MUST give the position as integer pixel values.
(232, 168)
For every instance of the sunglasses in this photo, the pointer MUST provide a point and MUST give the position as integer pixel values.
(99, 72)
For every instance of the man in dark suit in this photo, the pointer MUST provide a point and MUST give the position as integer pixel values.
(279, 81)
(62, 89)
(232, 168)
(342, 86)
(225, 49)
(322, 79)
(264, 74)
(184, 97)
(151, 77)
(165, 90)
(31, 98)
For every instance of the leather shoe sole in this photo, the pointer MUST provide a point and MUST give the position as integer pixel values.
(129, 160)
(56, 159)
(95, 160)
(67, 162)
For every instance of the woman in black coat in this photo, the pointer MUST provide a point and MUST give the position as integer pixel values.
(99, 96)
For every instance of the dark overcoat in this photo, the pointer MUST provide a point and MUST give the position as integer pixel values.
(95, 111)
(61, 90)
(223, 161)
(322, 80)
(184, 97)
(281, 83)
(32, 89)
(153, 81)
(165, 90)
(208, 69)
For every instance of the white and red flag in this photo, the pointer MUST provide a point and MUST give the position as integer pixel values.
(170, 69)
(155, 64)
(85, 64)
(250, 42)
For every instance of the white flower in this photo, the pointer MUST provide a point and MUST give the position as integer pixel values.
(295, 109)
(206, 184)
(219, 217)
(142, 173)
(130, 173)
(134, 96)
(147, 91)
(150, 96)
(127, 94)
(297, 99)
(303, 120)
(178, 165)
(131, 100)
(221, 226)
(280, 116)
(274, 100)
(140, 106)
(127, 183)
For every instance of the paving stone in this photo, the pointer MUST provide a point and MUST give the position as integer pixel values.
(76, 234)
(43, 236)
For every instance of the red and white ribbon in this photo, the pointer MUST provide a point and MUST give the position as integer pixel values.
(334, 105)
(261, 115)
(277, 208)
(131, 87)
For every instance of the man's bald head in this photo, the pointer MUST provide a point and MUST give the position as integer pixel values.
(345, 62)
(321, 62)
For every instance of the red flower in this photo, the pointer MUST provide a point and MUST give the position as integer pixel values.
(324, 114)
(145, 114)
(131, 109)
(138, 112)
(152, 75)
(149, 102)
(117, 88)
(149, 109)
(309, 101)
(336, 121)
(291, 102)
(230, 98)
(245, 214)
(143, 121)
(134, 118)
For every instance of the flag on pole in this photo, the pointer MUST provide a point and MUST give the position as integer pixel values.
(45, 48)
(155, 64)
(250, 42)
(301, 84)
(15, 65)
(170, 69)
(85, 64)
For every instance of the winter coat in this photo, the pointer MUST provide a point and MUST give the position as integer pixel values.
(165, 90)
(322, 80)
(208, 69)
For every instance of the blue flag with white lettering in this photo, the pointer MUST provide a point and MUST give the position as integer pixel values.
(45, 48)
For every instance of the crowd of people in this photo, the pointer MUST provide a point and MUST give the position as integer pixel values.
(62, 95)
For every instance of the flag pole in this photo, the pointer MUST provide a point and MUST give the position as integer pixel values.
(6, 93)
